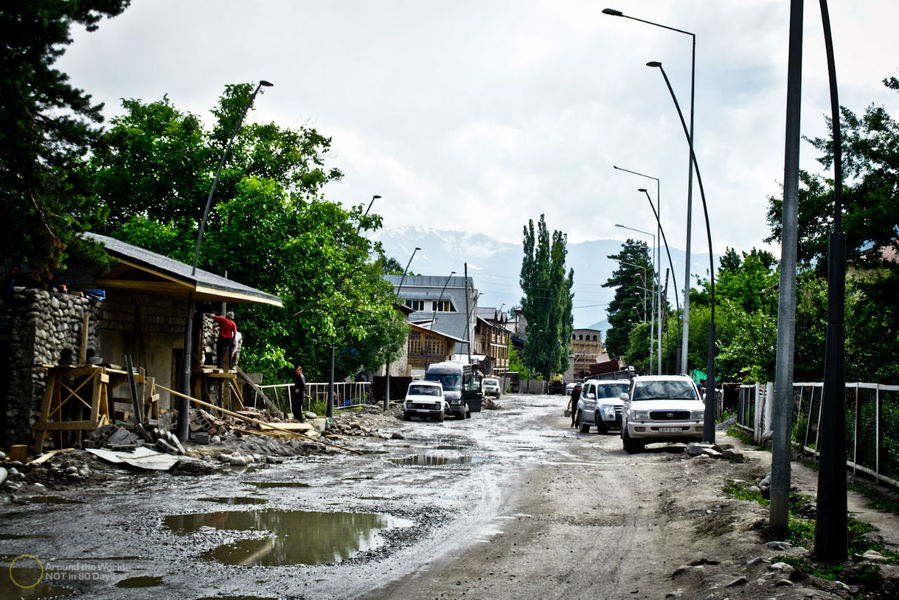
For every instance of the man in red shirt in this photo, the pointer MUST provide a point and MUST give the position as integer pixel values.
(227, 329)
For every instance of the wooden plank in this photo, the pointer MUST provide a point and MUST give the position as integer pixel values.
(97, 392)
(48, 455)
(67, 426)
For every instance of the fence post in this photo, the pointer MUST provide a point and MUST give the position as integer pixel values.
(877, 431)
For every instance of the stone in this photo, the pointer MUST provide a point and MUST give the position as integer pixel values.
(396, 435)
(782, 582)
(3, 475)
(781, 566)
(215, 440)
(238, 461)
(779, 546)
(874, 556)
(754, 561)
(738, 581)
(200, 437)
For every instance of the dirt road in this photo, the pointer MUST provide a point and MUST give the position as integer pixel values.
(509, 504)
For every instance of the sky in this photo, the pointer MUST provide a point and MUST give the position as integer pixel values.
(477, 115)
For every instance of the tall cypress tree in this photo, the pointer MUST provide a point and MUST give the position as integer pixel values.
(547, 300)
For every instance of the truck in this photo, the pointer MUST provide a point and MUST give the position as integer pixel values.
(461, 386)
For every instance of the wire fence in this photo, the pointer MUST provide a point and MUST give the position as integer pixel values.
(346, 395)
(872, 423)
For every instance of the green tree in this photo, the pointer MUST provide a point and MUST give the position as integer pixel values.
(46, 130)
(631, 303)
(870, 209)
(547, 300)
(269, 228)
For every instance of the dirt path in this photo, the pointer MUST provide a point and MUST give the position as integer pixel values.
(602, 524)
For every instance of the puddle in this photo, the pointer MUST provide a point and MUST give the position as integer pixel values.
(295, 537)
(28, 583)
(22, 536)
(235, 598)
(374, 498)
(49, 500)
(264, 485)
(235, 501)
(142, 581)
(429, 460)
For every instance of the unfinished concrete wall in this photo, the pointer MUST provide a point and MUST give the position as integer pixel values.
(46, 329)
(150, 329)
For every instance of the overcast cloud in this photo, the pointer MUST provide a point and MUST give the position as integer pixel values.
(477, 115)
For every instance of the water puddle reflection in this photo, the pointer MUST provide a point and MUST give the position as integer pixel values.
(430, 460)
(237, 500)
(295, 537)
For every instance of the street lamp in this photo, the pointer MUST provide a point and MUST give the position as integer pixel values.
(654, 294)
(658, 255)
(686, 327)
(708, 430)
(645, 283)
(671, 265)
(395, 297)
(373, 198)
(183, 402)
(434, 315)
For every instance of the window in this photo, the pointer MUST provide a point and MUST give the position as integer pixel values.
(416, 305)
(444, 306)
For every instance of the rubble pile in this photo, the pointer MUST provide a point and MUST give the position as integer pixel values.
(705, 451)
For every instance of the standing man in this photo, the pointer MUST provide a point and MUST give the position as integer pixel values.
(227, 329)
(235, 349)
(298, 394)
(575, 396)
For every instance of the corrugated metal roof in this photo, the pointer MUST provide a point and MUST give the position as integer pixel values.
(206, 285)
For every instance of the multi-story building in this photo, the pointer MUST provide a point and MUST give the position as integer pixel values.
(491, 341)
(446, 305)
(586, 350)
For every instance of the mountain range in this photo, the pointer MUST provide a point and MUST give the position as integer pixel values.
(494, 267)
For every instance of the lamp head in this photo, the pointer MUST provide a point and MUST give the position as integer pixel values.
(265, 83)
(375, 197)
(654, 63)
(612, 12)
(642, 190)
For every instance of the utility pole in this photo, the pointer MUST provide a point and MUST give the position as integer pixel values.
(786, 306)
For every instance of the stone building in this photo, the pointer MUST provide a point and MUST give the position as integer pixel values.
(586, 350)
(139, 308)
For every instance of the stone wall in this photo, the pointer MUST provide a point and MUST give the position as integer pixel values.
(46, 329)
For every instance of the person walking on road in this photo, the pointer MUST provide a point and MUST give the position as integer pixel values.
(572, 403)
(298, 394)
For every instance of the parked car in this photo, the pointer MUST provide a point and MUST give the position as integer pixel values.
(600, 404)
(492, 387)
(425, 399)
(661, 408)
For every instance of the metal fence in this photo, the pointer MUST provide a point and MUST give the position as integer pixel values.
(346, 395)
(872, 423)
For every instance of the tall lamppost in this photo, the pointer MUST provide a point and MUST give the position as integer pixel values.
(655, 292)
(395, 298)
(686, 326)
(671, 265)
(831, 540)
(711, 407)
(373, 198)
(183, 402)
(645, 282)
(658, 251)
(434, 316)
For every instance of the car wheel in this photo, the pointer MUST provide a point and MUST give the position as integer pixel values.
(601, 427)
(631, 446)
(405, 416)
(441, 417)
(467, 411)
(582, 425)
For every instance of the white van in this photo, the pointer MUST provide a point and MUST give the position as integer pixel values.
(461, 386)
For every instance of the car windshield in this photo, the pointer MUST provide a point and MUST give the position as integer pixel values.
(664, 390)
(611, 390)
(424, 390)
(491, 382)
(450, 381)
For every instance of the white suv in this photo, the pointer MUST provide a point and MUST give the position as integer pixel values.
(661, 408)
(425, 399)
(600, 404)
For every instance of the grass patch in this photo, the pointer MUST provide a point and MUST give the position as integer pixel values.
(742, 435)
(880, 499)
(741, 491)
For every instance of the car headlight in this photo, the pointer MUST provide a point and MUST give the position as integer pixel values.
(640, 415)
(697, 415)
(607, 410)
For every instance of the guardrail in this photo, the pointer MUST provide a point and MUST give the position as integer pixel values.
(346, 394)
(872, 423)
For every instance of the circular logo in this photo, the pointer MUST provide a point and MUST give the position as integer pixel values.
(25, 585)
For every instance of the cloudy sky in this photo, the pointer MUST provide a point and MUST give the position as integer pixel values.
(476, 115)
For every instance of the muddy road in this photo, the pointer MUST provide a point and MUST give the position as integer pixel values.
(511, 503)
